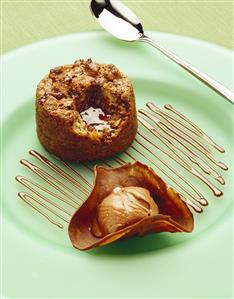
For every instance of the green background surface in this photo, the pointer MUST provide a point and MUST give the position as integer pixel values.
(24, 22)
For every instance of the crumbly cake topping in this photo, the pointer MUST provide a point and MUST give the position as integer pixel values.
(68, 91)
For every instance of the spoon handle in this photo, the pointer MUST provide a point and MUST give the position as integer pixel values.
(216, 86)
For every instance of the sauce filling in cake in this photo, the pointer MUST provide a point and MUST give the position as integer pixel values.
(97, 118)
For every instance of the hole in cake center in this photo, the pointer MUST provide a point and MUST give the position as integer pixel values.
(94, 108)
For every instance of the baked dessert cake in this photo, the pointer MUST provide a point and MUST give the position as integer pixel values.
(85, 111)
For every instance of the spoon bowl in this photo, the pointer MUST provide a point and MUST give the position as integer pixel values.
(117, 19)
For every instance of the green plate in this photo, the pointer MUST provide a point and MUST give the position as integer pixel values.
(38, 259)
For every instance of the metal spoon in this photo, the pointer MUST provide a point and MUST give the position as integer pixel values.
(121, 22)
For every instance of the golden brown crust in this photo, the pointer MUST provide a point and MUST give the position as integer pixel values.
(67, 91)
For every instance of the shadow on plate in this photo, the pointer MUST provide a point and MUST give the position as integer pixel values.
(141, 245)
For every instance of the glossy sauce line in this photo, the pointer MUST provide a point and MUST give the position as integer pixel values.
(169, 131)
(171, 141)
(25, 197)
(187, 124)
(172, 147)
(165, 141)
(176, 120)
(196, 128)
(87, 166)
(191, 169)
(119, 160)
(107, 164)
(52, 181)
(76, 173)
(164, 127)
(27, 183)
(20, 180)
(59, 171)
(157, 111)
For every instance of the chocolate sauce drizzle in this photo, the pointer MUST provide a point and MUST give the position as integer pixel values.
(196, 130)
(172, 132)
(27, 183)
(52, 181)
(179, 135)
(59, 171)
(26, 198)
(176, 150)
(177, 129)
(184, 164)
(119, 160)
(188, 167)
(88, 185)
